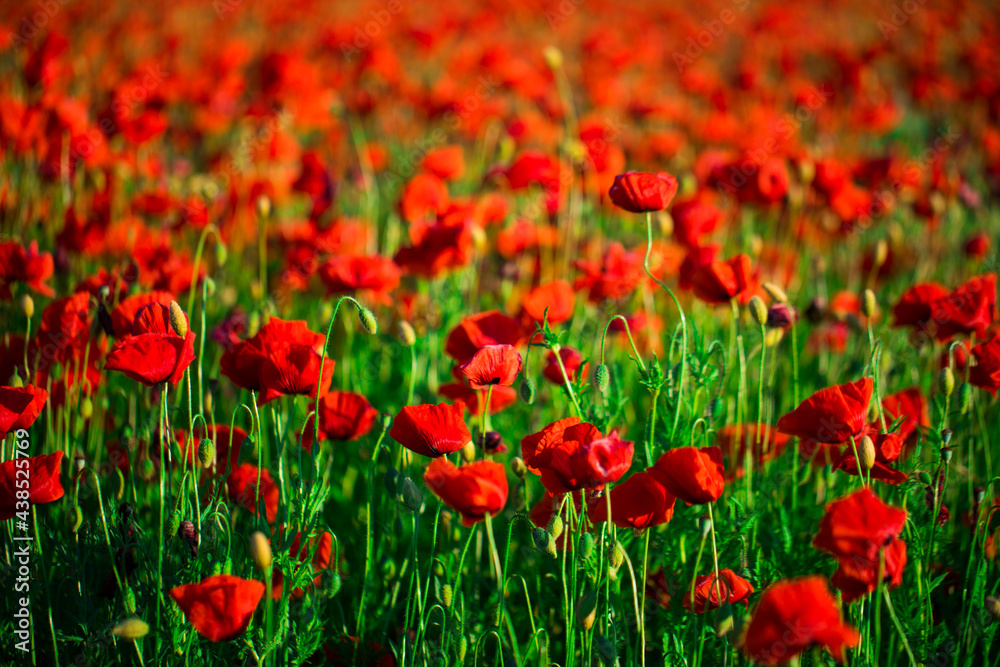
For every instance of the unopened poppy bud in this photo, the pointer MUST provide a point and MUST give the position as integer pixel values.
(333, 583)
(606, 650)
(867, 453)
(27, 306)
(586, 610)
(391, 481)
(964, 397)
(781, 316)
(946, 381)
(446, 595)
(128, 598)
(174, 524)
(260, 551)
(924, 477)
(946, 436)
(386, 421)
(248, 450)
(556, 526)
(527, 390)
(518, 467)
(368, 321)
(587, 545)
(553, 57)
(131, 628)
(206, 452)
(221, 254)
(946, 454)
(602, 378)
(544, 541)
(119, 491)
(993, 607)
(868, 303)
(881, 252)
(616, 555)
(177, 320)
(190, 535)
(704, 525)
(407, 336)
(264, 206)
(411, 495)
(461, 649)
(86, 408)
(758, 310)
(209, 402)
(469, 452)
(775, 292)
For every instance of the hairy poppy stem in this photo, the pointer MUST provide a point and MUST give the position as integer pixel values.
(369, 532)
(680, 312)
(322, 360)
(566, 382)
(628, 332)
(715, 556)
(741, 399)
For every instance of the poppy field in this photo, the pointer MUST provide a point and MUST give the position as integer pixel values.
(545, 332)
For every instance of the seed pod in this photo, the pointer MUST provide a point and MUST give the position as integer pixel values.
(602, 378)
(867, 453)
(526, 390)
(368, 321)
(556, 526)
(775, 292)
(518, 467)
(964, 397)
(587, 544)
(946, 436)
(946, 381)
(206, 453)
(386, 421)
(586, 610)
(407, 336)
(446, 595)
(177, 320)
(131, 628)
(27, 306)
(946, 454)
(868, 303)
(260, 551)
(758, 310)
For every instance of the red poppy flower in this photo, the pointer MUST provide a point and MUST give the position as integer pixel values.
(431, 430)
(572, 455)
(20, 407)
(343, 416)
(571, 359)
(424, 196)
(242, 487)
(767, 441)
(640, 502)
(969, 308)
(473, 490)
(986, 372)
(693, 219)
(720, 282)
(831, 416)
(27, 266)
(492, 365)
(910, 406)
(436, 248)
(639, 192)
(124, 313)
(977, 246)
(857, 577)
(887, 449)
(501, 397)
(732, 588)
(858, 526)
(154, 353)
(446, 162)
(476, 331)
(914, 307)
(617, 275)
(43, 480)
(696, 258)
(283, 358)
(64, 331)
(694, 475)
(219, 607)
(320, 547)
(792, 616)
(376, 276)
(554, 300)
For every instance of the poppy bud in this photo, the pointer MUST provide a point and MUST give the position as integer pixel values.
(86, 408)
(775, 292)
(446, 595)
(391, 481)
(868, 303)
(518, 467)
(925, 478)
(964, 397)
(527, 390)
(980, 494)
(816, 310)
(724, 620)
(216, 568)
(386, 421)
(131, 628)
(74, 519)
(177, 320)
(586, 610)
(704, 525)
(190, 536)
(616, 555)
(27, 306)
(119, 484)
(946, 381)
(460, 650)
(556, 526)
(758, 310)
(128, 597)
(407, 336)
(993, 607)
(867, 453)
(368, 321)
(602, 378)
(206, 452)
(411, 495)
(544, 541)
(587, 545)
(333, 583)
(260, 551)
(946, 454)
(248, 450)
(221, 254)
(881, 252)
(208, 402)
(264, 207)
(606, 650)
(174, 524)
(781, 316)
(468, 452)
(553, 57)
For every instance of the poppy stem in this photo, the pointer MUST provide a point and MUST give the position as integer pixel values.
(715, 555)
(697, 564)
(369, 532)
(498, 566)
(642, 594)
(680, 312)
(322, 360)
(486, 418)
(741, 400)
(566, 382)
(638, 359)
(857, 461)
